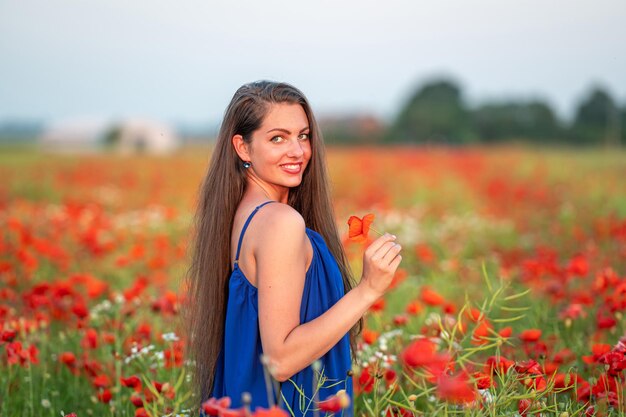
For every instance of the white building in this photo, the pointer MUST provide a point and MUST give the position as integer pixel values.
(129, 136)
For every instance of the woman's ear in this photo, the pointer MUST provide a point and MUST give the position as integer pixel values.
(241, 147)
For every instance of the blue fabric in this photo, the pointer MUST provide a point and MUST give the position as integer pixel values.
(239, 368)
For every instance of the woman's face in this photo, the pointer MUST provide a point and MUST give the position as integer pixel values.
(281, 149)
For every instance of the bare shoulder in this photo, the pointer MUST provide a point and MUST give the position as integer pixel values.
(279, 218)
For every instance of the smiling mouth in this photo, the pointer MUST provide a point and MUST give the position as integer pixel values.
(292, 168)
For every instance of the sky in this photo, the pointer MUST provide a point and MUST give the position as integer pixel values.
(181, 61)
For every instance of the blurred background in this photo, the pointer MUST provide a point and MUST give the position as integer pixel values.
(154, 75)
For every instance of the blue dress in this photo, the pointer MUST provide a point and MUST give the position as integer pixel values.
(239, 367)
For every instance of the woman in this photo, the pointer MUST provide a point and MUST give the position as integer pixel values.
(268, 274)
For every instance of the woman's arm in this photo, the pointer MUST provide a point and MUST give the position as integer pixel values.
(281, 269)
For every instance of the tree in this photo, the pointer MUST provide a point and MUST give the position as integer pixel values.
(597, 120)
(435, 113)
(533, 120)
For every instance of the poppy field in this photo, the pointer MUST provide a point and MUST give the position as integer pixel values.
(510, 298)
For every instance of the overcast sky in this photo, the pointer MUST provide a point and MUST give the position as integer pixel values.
(181, 61)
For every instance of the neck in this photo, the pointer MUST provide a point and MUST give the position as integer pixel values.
(268, 191)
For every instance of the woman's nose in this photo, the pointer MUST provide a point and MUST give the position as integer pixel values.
(295, 149)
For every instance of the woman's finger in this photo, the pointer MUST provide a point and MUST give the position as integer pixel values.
(378, 243)
(392, 252)
(382, 251)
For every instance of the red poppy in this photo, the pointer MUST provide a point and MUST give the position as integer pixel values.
(455, 388)
(141, 412)
(481, 332)
(424, 253)
(483, 380)
(523, 406)
(414, 308)
(419, 353)
(101, 381)
(68, 358)
(359, 228)
(105, 396)
(272, 412)
(530, 335)
(431, 297)
(369, 336)
(213, 405)
(136, 400)
(379, 305)
(505, 332)
(366, 380)
(335, 402)
(7, 335)
(498, 364)
(132, 381)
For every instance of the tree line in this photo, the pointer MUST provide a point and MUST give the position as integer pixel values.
(437, 113)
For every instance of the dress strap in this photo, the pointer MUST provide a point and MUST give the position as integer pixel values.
(245, 226)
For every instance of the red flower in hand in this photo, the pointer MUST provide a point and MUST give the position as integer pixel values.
(359, 228)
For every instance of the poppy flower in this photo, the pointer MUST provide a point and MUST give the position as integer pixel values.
(141, 412)
(101, 381)
(105, 396)
(431, 297)
(136, 400)
(369, 336)
(68, 358)
(498, 364)
(366, 380)
(213, 405)
(481, 332)
(414, 307)
(272, 412)
(335, 402)
(455, 388)
(483, 380)
(358, 229)
(505, 332)
(379, 305)
(7, 335)
(131, 382)
(419, 353)
(530, 335)
(523, 406)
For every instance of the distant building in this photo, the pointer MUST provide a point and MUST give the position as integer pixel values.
(356, 129)
(130, 136)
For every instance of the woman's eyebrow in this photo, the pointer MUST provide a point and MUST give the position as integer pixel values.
(286, 131)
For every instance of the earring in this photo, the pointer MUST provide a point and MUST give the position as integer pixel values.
(247, 164)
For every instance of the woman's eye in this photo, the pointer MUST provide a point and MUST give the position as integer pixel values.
(277, 139)
(303, 136)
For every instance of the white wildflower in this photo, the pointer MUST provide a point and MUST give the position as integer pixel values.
(170, 337)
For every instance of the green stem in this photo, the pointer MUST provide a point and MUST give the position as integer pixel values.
(30, 387)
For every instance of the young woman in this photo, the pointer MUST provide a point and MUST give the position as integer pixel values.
(268, 275)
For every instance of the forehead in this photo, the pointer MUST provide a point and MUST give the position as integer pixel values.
(285, 115)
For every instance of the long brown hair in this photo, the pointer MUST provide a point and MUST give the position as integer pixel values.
(219, 195)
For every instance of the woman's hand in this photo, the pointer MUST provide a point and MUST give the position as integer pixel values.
(380, 261)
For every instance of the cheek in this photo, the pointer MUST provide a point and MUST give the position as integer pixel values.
(307, 151)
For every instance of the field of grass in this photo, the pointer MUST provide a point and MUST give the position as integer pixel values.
(509, 300)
